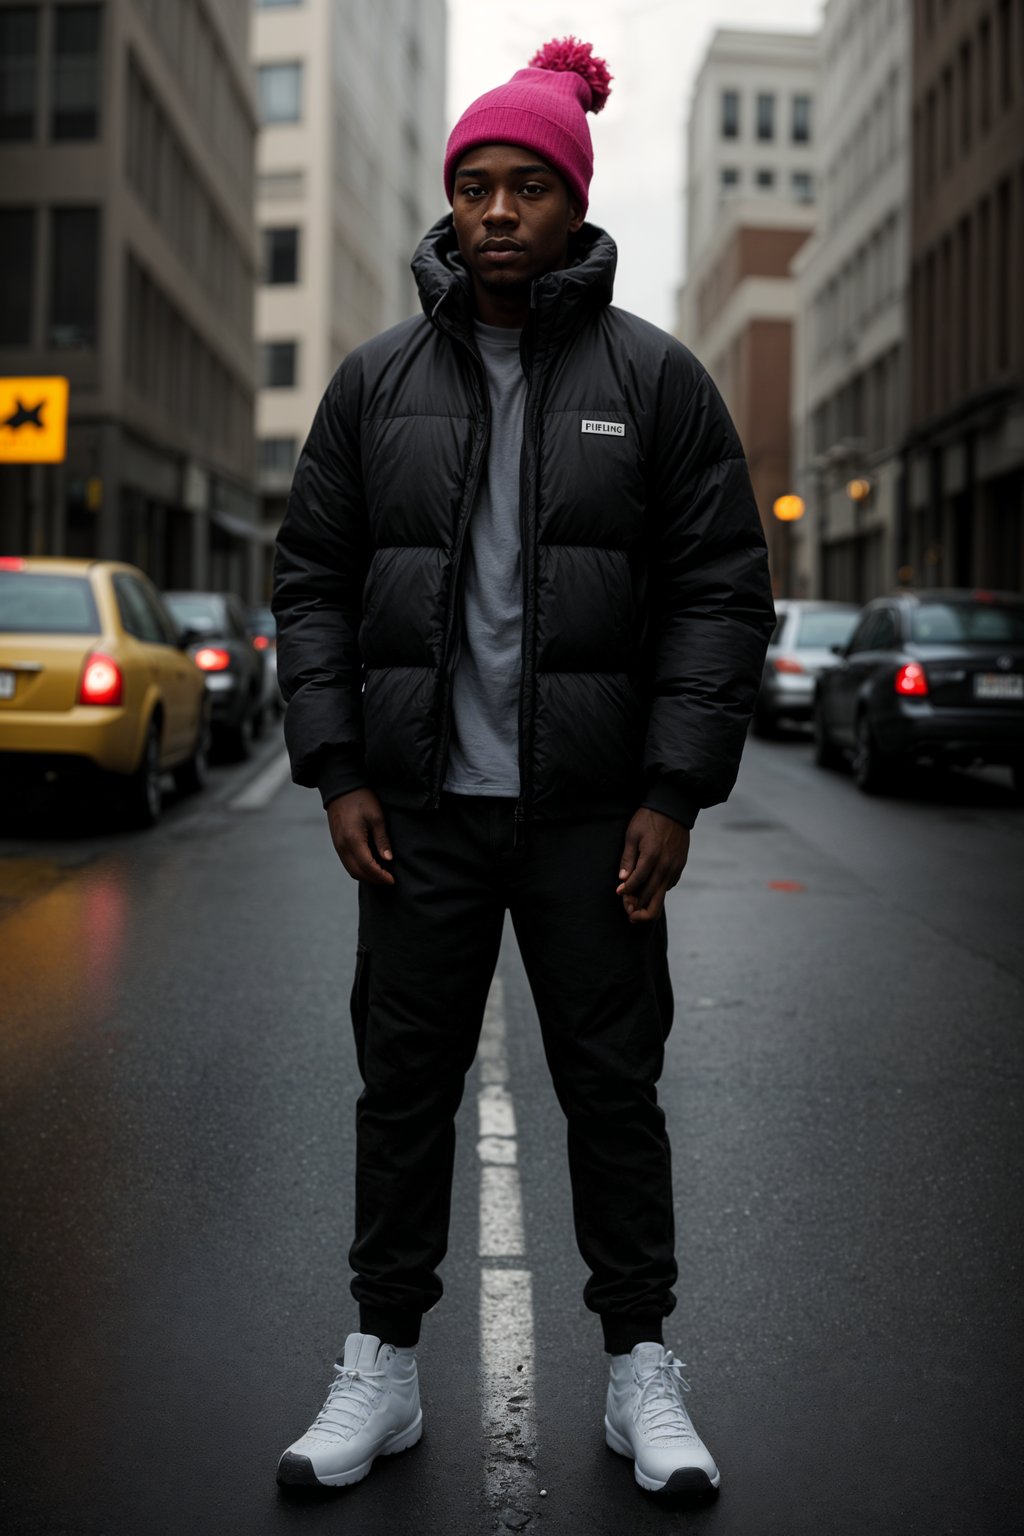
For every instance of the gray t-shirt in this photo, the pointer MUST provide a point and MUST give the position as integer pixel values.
(483, 755)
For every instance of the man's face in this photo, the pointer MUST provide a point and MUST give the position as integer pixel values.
(513, 216)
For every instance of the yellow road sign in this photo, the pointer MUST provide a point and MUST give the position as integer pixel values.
(33, 421)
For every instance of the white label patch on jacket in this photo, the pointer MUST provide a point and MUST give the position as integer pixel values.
(608, 428)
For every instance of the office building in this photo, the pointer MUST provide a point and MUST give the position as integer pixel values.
(351, 99)
(127, 264)
(849, 380)
(752, 161)
(965, 443)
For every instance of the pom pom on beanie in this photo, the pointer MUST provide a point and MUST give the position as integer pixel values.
(568, 55)
(542, 108)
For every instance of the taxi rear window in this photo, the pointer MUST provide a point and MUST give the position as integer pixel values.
(35, 603)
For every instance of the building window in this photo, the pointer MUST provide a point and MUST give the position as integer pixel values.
(966, 104)
(280, 93)
(765, 116)
(1006, 52)
(19, 35)
(280, 255)
(964, 282)
(983, 288)
(76, 73)
(765, 179)
(74, 278)
(730, 114)
(17, 266)
(1004, 296)
(730, 177)
(801, 119)
(277, 370)
(985, 73)
(803, 186)
(277, 455)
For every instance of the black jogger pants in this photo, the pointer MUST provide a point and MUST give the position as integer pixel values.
(427, 952)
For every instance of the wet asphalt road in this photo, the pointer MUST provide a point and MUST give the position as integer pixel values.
(177, 1084)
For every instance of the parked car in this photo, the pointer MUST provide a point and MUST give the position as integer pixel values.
(234, 670)
(802, 647)
(263, 631)
(936, 676)
(94, 678)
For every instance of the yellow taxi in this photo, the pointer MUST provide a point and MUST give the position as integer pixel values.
(94, 675)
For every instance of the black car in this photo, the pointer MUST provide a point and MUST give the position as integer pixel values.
(263, 633)
(926, 676)
(235, 670)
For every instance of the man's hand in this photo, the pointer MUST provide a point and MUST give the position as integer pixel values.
(360, 836)
(653, 859)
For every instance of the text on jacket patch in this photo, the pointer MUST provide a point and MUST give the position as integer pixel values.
(612, 428)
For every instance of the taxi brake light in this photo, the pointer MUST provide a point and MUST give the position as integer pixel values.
(102, 682)
(911, 681)
(210, 658)
(787, 664)
(11, 563)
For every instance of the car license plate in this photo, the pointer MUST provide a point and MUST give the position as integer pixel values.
(6, 685)
(999, 685)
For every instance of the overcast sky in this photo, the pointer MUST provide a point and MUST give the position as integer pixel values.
(653, 48)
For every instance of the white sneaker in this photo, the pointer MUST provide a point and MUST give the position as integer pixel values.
(645, 1419)
(372, 1409)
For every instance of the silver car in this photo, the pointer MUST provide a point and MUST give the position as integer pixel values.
(800, 649)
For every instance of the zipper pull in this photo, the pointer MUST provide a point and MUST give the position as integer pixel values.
(518, 828)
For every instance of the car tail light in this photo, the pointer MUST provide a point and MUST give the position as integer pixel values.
(210, 658)
(787, 664)
(102, 681)
(260, 642)
(911, 681)
(11, 563)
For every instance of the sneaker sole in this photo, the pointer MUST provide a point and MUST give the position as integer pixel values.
(298, 1472)
(682, 1480)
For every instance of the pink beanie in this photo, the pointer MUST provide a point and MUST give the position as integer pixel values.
(543, 108)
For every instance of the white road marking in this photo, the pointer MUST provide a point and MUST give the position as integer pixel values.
(507, 1380)
(501, 1213)
(497, 1116)
(506, 1293)
(496, 1149)
(262, 789)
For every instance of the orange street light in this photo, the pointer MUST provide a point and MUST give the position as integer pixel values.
(858, 490)
(788, 509)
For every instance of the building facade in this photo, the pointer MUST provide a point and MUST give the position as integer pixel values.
(127, 264)
(349, 179)
(752, 162)
(965, 444)
(849, 379)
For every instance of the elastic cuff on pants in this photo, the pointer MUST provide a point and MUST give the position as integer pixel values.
(392, 1325)
(624, 1330)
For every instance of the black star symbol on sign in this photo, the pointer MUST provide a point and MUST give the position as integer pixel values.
(23, 416)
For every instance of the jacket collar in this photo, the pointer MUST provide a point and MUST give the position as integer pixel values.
(559, 300)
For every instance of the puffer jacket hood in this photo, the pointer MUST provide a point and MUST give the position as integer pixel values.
(586, 283)
(646, 601)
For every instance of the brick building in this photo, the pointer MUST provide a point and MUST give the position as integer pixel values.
(752, 176)
(965, 443)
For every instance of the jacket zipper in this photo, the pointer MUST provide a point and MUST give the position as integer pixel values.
(529, 599)
(447, 667)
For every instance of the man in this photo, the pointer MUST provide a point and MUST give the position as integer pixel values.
(523, 604)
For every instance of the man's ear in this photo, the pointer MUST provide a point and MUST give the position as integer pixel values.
(576, 216)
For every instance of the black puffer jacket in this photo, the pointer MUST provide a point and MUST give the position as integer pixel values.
(646, 600)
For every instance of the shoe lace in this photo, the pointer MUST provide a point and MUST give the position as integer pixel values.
(351, 1398)
(660, 1408)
